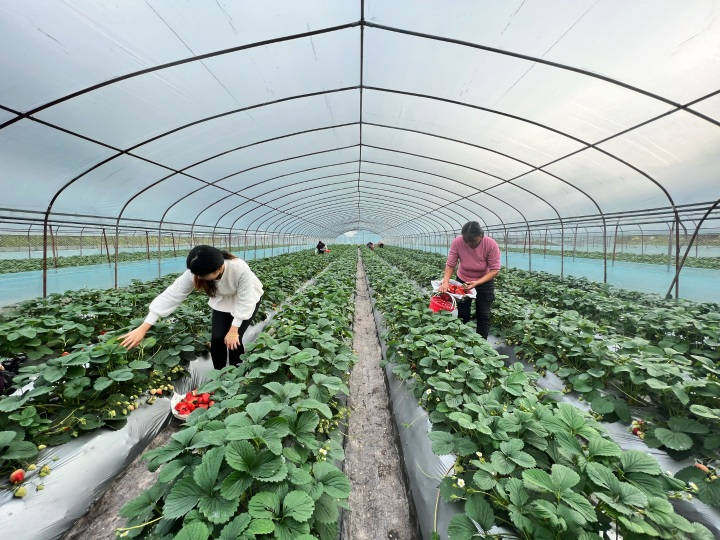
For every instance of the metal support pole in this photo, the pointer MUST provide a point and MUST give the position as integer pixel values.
(615, 242)
(107, 249)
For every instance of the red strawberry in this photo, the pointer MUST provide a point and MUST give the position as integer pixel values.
(203, 406)
(205, 398)
(17, 476)
(702, 467)
(65, 353)
(211, 404)
(635, 431)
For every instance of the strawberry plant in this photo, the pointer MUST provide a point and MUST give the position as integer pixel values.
(257, 464)
(542, 468)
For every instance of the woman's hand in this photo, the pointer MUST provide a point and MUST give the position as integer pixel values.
(443, 287)
(134, 337)
(232, 340)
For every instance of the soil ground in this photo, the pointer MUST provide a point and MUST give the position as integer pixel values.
(101, 520)
(380, 506)
(378, 501)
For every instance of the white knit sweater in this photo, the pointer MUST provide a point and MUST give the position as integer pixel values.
(238, 290)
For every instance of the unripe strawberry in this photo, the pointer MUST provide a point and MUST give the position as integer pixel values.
(20, 492)
(42, 446)
(17, 476)
(39, 487)
(32, 467)
(702, 467)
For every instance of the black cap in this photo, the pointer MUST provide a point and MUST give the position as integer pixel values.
(204, 260)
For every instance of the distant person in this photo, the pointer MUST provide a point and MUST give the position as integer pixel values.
(381, 245)
(370, 245)
(234, 291)
(479, 258)
(321, 247)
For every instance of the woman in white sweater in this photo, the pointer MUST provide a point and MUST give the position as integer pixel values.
(234, 293)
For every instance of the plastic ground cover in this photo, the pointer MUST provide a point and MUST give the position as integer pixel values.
(695, 511)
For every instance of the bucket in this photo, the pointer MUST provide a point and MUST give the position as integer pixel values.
(442, 302)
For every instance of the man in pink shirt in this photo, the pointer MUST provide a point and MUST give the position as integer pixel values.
(479, 258)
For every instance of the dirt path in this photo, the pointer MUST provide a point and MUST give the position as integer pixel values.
(379, 507)
(101, 520)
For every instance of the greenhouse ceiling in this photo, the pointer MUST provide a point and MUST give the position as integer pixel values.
(395, 116)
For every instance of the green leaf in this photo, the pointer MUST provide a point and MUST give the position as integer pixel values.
(235, 484)
(121, 375)
(517, 493)
(602, 476)
(326, 510)
(6, 437)
(637, 461)
(298, 476)
(705, 412)
(235, 528)
(20, 451)
(603, 448)
(101, 383)
(216, 508)
(538, 480)
(289, 529)
(484, 478)
(569, 443)
(443, 442)
(687, 425)
(335, 483)
(602, 406)
(54, 373)
(261, 526)
(298, 505)
(142, 505)
(673, 439)
(205, 475)
(264, 505)
(580, 504)
(195, 530)
(461, 527)
(182, 498)
(479, 510)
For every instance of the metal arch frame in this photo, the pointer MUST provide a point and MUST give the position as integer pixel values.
(429, 97)
(255, 197)
(236, 193)
(395, 203)
(314, 200)
(393, 191)
(384, 202)
(285, 218)
(362, 24)
(324, 201)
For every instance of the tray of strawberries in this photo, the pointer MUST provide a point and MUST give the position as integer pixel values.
(455, 289)
(182, 405)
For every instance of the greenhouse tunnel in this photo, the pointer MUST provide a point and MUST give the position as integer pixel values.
(583, 136)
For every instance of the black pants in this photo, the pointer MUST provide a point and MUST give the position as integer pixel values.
(483, 303)
(221, 323)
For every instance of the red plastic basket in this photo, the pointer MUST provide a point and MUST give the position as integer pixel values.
(442, 302)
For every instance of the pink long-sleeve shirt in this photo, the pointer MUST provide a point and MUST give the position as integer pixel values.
(474, 262)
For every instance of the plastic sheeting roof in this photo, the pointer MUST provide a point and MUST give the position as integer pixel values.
(319, 117)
